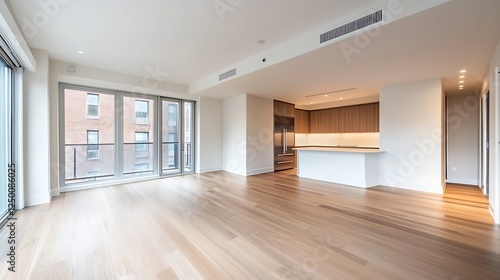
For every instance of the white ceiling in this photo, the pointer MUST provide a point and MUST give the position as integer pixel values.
(191, 40)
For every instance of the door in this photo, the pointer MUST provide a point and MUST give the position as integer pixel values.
(177, 136)
(7, 170)
(284, 141)
(485, 142)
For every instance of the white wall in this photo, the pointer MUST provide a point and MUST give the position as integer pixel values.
(248, 124)
(494, 180)
(37, 135)
(234, 134)
(411, 136)
(259, 129)
(209, 136)
(463, 139)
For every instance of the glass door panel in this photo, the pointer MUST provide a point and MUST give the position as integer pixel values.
(171, 130)
(5, 135)
(138, 136)
(188, 137)
(89, 135)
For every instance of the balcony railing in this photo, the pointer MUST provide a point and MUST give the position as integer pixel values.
(83, 165)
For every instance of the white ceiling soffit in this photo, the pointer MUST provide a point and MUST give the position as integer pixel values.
(393, 10)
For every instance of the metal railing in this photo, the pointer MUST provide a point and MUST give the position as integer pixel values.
(79, 166)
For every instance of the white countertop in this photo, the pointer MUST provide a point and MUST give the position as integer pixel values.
(341, 150)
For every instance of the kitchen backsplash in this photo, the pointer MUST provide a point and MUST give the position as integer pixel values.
(332, 139)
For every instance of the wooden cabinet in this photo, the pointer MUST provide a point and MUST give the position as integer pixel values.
(357, 118)
(301, 121)
(284, 109)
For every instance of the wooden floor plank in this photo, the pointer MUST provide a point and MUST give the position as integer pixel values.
(271, 226)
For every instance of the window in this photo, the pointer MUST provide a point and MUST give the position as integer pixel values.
(7, 171)
(87, 144)
(172, 115)
(141, 167)
(92, 144)
(141, 112)
(109, 136)
(92, 175)
(141, 150)
(92, 106)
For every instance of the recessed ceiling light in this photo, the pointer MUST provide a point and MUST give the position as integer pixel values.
(463, 71)
(461, 88)
(80, 52)
(326, 95)
(461, 82)
(461, 77)
(341, 98)
(311, 103)
(261, 42)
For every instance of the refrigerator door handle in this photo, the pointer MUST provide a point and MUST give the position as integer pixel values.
(283, 140)
(286, 140)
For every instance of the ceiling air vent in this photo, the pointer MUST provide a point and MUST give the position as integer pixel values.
(228, 74)
(351, 27)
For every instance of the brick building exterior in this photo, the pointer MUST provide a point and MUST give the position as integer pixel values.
(90, 135)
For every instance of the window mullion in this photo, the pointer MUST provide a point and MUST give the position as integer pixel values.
(119, 136)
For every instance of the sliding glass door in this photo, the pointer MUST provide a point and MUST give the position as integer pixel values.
(5, 136)
(139, 145)
(177, 136)
(89, 135)
(188, 136)
(116, 136)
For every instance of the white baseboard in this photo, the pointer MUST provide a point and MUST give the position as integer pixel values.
(210, 169)
(259, 171)
(37, 199)
(492, 212)
(54, 192)
(463, 181)
(419, 187)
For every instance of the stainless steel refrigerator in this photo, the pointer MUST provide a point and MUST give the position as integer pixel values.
(284, 142)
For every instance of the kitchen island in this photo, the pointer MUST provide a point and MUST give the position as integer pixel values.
(358, 167)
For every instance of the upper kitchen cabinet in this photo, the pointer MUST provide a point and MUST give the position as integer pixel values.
(284, 109)
(357, 118)
(301, 121)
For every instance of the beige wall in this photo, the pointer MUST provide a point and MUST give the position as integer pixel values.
(463, 139)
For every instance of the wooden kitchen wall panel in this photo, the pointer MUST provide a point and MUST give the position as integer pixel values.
(369, 117)
(284, 109)
(358, 118)
(301, 121)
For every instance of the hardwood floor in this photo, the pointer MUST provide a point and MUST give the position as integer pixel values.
(270, 226)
